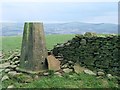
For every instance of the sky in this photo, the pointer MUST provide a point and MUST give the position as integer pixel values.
(48, 12)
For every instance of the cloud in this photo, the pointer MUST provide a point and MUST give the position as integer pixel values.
(109, 17)
(59, 12)
(59, 0)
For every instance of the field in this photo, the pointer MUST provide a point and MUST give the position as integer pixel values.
(71, 80)
(13, 43)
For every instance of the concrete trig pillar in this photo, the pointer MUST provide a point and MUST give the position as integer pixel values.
(33, 50)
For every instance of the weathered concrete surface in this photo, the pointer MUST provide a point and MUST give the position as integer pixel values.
(53, 63)
(33, 51)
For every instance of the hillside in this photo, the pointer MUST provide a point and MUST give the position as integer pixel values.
(53, 79)
(12, 29)
(11, 43)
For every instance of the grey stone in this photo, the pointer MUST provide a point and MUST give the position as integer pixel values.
(58, 74)
(13, 73)
(67, 44)
(7, 70)
(83, 42)
(12, 63)
(28, 79)
(90, 34)
(53, 63)
(67, 70)
(15, 59)
(1, 54)
(89, 72)
(11, 86)
(71, 76)
(26, 71)
(70, 62)
(17, 62)
(78, 68)
(109, 76)
(64, 66)
(99, 77)
(36, 77)
(13, 66)
(4, 65)
(13, 55)
(0, 76)
(100, 73)
(100, 70)
(5, 77)
(46, 74)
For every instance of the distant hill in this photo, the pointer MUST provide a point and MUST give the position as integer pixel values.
(12, 29)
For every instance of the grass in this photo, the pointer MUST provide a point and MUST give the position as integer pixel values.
(67, 81)
(13, 43)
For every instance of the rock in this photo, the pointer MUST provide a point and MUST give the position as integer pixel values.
(100, 73)
(23, 78)
(1, 54)
(17, 62)
(89, 72)
(71, 76)
(11, 62)
(60, 45)
(58, 74)
(78, 68)
(4, 78)
(67, 70)
(3, 60)
(1, 70)
(13, 66)
(12, 73)
(4, 65)
(11, 86)
(100, 70)
(53, 63)
(13, 55)
(90, 34)
(18, 55)
(26, 71)
(64, 66)
(0, 76)
(109, 76)
(28, 79)
(36, 77)
(7, 70)
(46, 74)
(15, 59)
(83, 42)
(99, 77)
(70, 62)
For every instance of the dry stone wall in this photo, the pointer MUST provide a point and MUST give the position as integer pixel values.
(92, 51)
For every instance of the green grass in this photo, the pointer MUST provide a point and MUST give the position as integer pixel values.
(12, 43)
(67, 81)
